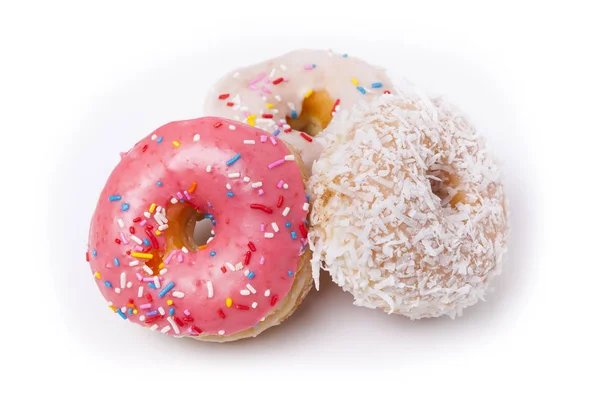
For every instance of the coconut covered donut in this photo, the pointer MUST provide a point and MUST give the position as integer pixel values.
(250, 276)
(409, 213)
(295, 96)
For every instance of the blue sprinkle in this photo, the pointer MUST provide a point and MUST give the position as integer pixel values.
(116, 262)
(159, 140)
(209, 216)
(290, 273)
(107, 284)
(212, 253)
(376, 85)
(159, 183)
(361, 89)
(294, 114)
(166, 289)
(277, 132)
(182, 201)
(94, 253)
(124, 207)
(130, 311)
(306, 222)
(294, 236)
(209, 204)
(345, 55)
(288, 224)
(152, 313)
(251, 275)
(214, 222)
(121, 314)
(229, 194)
(171, 311)
(146, 242)
(234, 159)
(314, 65)
(151, 285)
(307, 198)
(114, 198)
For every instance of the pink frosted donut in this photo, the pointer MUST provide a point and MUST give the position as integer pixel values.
(250, 276)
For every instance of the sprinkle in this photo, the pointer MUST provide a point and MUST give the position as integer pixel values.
(221, 313)
(305, 206)
(121, 223)
(194, 330)
(273, 140)
(165, 329)
(306, 137)
(249, 142)
(302, 228)
(212, 253)
(151, 285)
(166, 289)
(234, 159)
(247, 257)
(246, 179)
(250, 275)
(261, 192)
(294, 114)
(122, 314)
(276, 163)
(280, 184)
(288, 224)
(242, 307)
(286, 211)
(147, 306)
(94, 253)
(274, 300)
(208, 168)
(209, 287)
(117, 290)
(261, 207)
(267, 293)
(251, 246)
(140, 291)
(277, 132)
(354, 81)
(97, 275)
(277, 81)
(294, 236)
(114, 198)
(123, 280)
(124, 207)
(251, 288)
(233, 175)
(217, 124)
(231, 127)
(107, 284)
(157, 282)
(286, 186)
(179, 295)
(256, 184)
(171, 311)
(159, 140)
(223, 96)
(262, 227)
(139, 276)
(245, 292)
(289, 157)
(269, 105)
(137, 239)
(262, 260)
(186, 312)
(275, 227)
(161, 310)
(269, 235)
(263, 138)
(229, 194)
(176, 143)
(147, 256)
(376, 85)
(228, 302)
(221, 332)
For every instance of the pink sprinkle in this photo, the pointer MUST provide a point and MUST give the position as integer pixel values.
(280, 123)
(258, 78)
(264, 89)
(187, 195)
(253, 87)
(179, 195)
(262, 227)
(246, 113)
(168, 259)
(180, 257)
(263, 138)
(268, 80)
(148, 279)
(280, 184)
(261, 192)
(123, 238)
(262, 260)
(276, 163)
(139, 248)
(308, 67)
(139, 276)
(145, 306)
(144, 222)
(273, 140)
(286, 80)
(186, 312)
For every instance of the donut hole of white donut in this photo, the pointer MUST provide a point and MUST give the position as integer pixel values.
(317, 112)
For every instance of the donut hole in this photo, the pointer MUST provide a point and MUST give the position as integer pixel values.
(317, 108)
(203, 231)
(444, 185)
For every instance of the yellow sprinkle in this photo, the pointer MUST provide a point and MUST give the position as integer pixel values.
(307, 95)
(161, 266)
(228, 302)
(157, 232)
(97, 275)
(176, 143)
(251, 119)
(192, 188)
(169, 302)
(147, 256)
(202, 247)
(269, 105)
(113, 308)
(135, 311)
(152, 207)
(355, 82)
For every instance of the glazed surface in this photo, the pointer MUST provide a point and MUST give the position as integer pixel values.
(243, 180)
(264, 94)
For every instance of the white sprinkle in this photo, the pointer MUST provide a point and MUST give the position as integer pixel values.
(136, 239)
(291, 106)
(285, 186)
(210, 238)
(117, 290)
(275, 227)
(231, 128)
(165, 329)
(230, 266)
(173, 200)
(110, 303)
(228, 186)
(239, 266)
(221, 332)
(286, 211)
(249, 142)
(163, 227)
(161, 310)
(245, 292)
(123, 280)
(305, 206)
(251, 288)
(246, 179)
(196, 137)
(121, 223)
(140, 291)
(179, 295)
(233, 175)
(283, 67)
(147, 214)
(208, 168)
(272, 74)
(157, 282)
(209, 287)
(173, 324)
(147, 269)
(269, 235)
(163, 271)
(267, 293)
(254, 305)
(129, 285)
(278, 97)
(154, 327)
(153, 137)
(124, 309)
(289, 157)
(142, 318)
(185, 250)
(134, 263)
(256, 184)
(246, 273)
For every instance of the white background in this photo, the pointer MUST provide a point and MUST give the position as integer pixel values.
(81, 82)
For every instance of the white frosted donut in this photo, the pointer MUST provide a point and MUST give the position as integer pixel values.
(409, 210)
(306, 86)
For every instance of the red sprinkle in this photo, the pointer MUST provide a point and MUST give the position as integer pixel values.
(274, 300)
(196, 330)
(87, 256)
(152, 238)
(229, 104)
(223, 96)
(131, 230)
(279, 201)
(306, 137)
(178, 321)
(128, 252)
(221, 313)
(223, 269)
(288, 130)
(130, 301)
(242, 307)
(137, 219)
(147, 249)
(261, 207)
(149, 297)
(277, 81)
(267, 115)
(144, 148)
(337, 102)
(188, 319)
(152, 319)
(386, 92)
(251, 246)
(117, 241)
(247, 259)
(217, 124)
(303, 231)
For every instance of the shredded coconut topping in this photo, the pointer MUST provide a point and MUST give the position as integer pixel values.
(409, 213)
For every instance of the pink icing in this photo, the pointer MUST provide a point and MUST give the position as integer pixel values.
(272, 265)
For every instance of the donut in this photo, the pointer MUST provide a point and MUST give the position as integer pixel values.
(249, 276)
(295, 96)
(409, 212)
